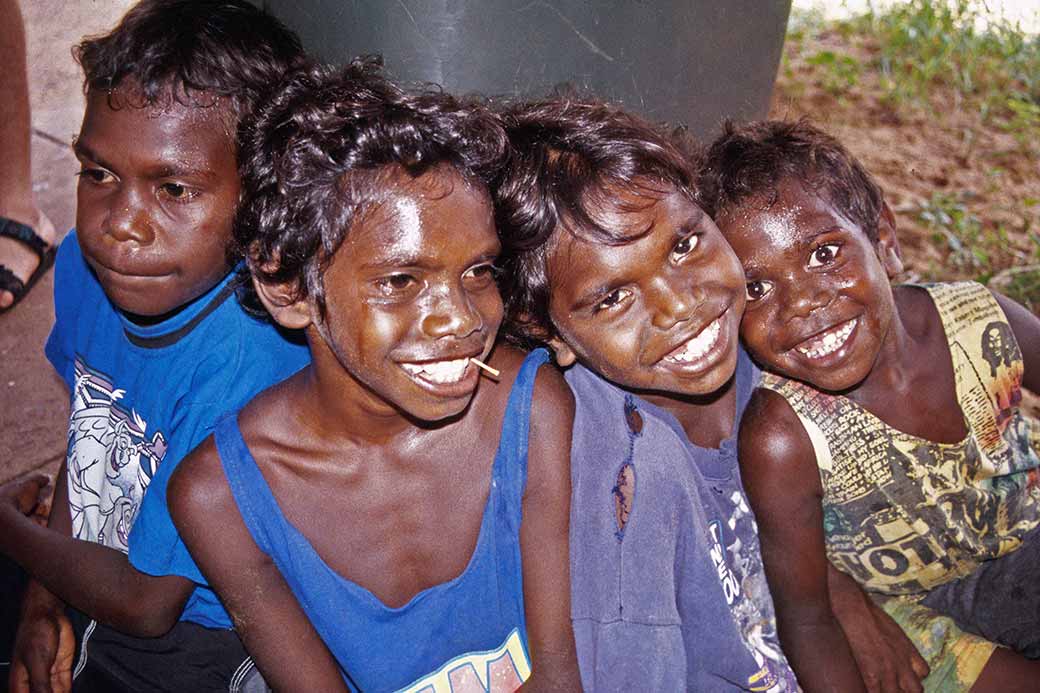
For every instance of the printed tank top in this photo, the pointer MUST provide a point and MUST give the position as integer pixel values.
(903, 514)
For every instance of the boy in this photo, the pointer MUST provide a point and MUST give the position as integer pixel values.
(894, 433)
(153, 346)
(609, 259)
(367, 223)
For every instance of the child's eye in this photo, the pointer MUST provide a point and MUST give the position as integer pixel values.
(685, 247)
(758, 289)
(483, 274)
(612, 299)
(823, 255)
(396, 283)
(177, 191)
(95, 175)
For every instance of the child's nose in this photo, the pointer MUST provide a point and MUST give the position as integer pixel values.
(801, 298)
(451, 315)
(127, 220)
(672, 304)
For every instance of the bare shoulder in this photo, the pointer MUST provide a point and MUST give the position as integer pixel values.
(198, 485)
(773, 445)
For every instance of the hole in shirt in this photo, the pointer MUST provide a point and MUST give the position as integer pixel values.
(624, 493)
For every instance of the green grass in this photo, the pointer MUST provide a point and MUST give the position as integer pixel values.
(927, 47)
(934, 56)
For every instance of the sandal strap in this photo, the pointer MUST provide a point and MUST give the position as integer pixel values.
(9, 281)
(20, 232)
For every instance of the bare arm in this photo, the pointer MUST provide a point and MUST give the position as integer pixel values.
(544, 537)
(1026, 327)
(267, 616)
(887, 659)
(103, 584)
(779, 472)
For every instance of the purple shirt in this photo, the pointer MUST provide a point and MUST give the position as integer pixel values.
(678, 599)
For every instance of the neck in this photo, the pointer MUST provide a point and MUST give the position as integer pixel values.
(896, 360)
(708, 419)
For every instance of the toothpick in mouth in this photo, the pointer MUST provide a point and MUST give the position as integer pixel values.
(493, 372)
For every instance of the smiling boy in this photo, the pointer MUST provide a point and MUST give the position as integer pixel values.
(610, 260)
(153, 346)
(894, 432)
(368, 224)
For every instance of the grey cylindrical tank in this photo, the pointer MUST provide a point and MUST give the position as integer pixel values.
(684, 61)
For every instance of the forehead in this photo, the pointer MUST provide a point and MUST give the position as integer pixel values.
(117, 126)
(413, 220)
(788, 217)
(653, 223)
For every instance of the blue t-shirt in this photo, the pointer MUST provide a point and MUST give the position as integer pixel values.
(141, 399)
(465, 634)
(676, 599)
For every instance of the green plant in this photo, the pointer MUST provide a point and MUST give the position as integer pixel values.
(959, 230)
(839, 73)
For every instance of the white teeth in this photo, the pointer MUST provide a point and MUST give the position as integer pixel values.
(440, 372)
(699, 345)
(827, 343)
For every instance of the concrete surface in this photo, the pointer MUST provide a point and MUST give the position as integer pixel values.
(33, 401)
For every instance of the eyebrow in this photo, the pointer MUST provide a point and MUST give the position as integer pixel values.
(590, 297)
(752, 268)
(164, 169)
(416, 260)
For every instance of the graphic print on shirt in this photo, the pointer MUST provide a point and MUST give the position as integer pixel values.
(903, 514)
(112, 458)
(502, 670)
(744, 585)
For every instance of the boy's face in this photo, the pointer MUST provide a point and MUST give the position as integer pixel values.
(411, 296)
(819, 298)
(658, 314)
(156, 197)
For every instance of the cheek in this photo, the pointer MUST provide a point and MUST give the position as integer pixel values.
(378, 330)
(489, 304)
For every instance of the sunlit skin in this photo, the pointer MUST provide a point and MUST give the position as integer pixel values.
(813, 272)
(625, 311)
(366, 436)
(821, 309)
(412, 283)
(157, 192)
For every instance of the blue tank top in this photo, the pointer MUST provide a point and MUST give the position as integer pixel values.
(465, 634)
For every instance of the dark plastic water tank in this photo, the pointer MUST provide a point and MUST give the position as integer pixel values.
(684, 61)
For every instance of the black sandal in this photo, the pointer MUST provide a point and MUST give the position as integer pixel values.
(31, 240)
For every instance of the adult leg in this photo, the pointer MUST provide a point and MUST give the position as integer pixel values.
(16, 196)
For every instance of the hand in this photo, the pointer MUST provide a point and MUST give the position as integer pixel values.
(44, 649)
(888, 661)
(26, 494)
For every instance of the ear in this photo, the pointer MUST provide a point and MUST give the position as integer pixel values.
(281, 302)
(565, 356)
(887, 246)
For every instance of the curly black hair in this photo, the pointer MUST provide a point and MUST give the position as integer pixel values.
(749, 161)
(570, 157)
(325, 147)
(191, 51)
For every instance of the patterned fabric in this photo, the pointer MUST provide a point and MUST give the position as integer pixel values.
(903, 514)
(141, 398)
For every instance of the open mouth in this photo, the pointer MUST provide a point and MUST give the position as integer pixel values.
(438, 372)
(827, 342)
(698, 346)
